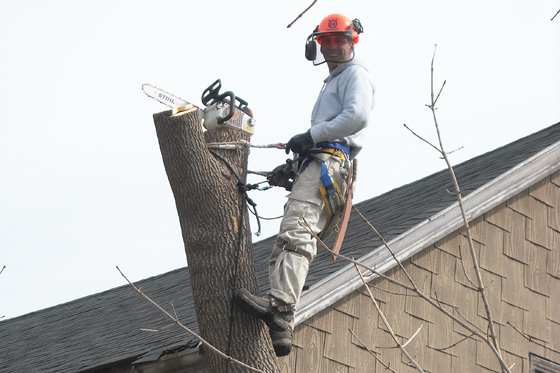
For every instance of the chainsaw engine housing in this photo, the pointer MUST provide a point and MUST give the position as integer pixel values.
(216, 112)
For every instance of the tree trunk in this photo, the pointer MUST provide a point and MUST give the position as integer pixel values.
(212, 212)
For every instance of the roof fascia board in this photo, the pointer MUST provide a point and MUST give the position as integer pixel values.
(344, 281)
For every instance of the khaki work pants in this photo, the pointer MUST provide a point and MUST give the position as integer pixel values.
(288, 269)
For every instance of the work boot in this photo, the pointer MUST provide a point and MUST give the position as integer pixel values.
(276, 314)
(282, 341)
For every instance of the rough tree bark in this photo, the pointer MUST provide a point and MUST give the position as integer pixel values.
(210, 208)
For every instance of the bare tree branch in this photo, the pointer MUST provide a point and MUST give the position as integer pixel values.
(468, 321)
(465, 270)
(421, 138)
(493, 341)
(414, 335)
(434, 303)
(371, 352)
(465, 324)
(391, 292)
(387, 325)
(302, 13)
(351, 260)
(390, 251)
(439, 93)
(552, 19)
(532, 340)
(158, 330)
(178, 323)
(454, 344)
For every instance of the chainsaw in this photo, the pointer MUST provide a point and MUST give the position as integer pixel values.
(221, 109)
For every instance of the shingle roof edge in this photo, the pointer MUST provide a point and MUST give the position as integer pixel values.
(346, 280)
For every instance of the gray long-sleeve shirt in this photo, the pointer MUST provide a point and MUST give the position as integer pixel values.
(342, 110)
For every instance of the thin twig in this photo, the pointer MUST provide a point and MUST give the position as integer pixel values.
(157, 330)
(464, 269)
(302, 13)
(371, 352)
(532, 340)
(439, 93)
(388, 248)
(2, 270)
(174, 312)
(468, 321)
(436, 304)
(387, 325)
(177, 322)
(411, 338)
(552, 19)
(351, 260)
(454, 344)
(421, 138)
(454, 150)
(426, 298)
(391, 292)
(494, 339)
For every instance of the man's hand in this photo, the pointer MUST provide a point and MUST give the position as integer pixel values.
(300, 143)
(282, 175)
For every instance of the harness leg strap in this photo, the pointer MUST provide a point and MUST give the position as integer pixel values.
(299, 251)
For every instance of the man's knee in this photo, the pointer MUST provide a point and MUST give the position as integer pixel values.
(296, 249)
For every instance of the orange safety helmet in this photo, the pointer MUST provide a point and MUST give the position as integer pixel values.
(339, 24)
(332, 25)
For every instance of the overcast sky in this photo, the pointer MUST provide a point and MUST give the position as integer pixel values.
(83, 188)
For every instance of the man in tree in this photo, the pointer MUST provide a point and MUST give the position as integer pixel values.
(323, 155)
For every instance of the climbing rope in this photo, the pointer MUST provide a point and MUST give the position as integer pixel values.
(242, 144)
(244, 188)
(260, 173)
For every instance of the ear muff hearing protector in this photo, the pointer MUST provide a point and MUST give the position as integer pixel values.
(311, 46)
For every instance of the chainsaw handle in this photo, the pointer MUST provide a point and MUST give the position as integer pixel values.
(211, 92)
(211, 95)
(231, 104)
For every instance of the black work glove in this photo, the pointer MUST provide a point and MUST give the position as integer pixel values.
(282, 175)
(300, 143)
